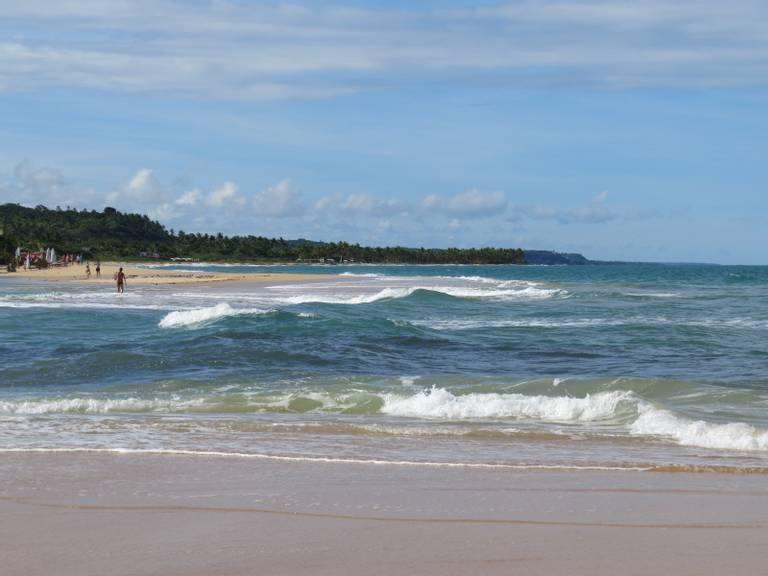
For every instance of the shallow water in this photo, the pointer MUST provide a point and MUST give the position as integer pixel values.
(649, 366)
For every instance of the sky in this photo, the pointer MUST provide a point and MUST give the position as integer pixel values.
(623, 130)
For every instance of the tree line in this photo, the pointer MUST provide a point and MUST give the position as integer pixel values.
(111, 234)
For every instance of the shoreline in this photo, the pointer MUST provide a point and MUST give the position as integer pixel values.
(136, 274)
(150, 514)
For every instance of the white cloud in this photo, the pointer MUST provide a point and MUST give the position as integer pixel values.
(361, 204)
(141, 182)
(141, 191)
(244, 50)
(163, 212)
(189, 198)
(431, 202)
(225, 195)
(596, 212)
(283, 200)
(30, 185)
(469, 204)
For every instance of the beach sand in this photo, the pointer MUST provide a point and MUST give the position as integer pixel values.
(155, 276)
(91, 513)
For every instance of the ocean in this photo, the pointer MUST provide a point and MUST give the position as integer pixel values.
(627, 367)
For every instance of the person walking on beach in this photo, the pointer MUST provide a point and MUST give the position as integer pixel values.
(98, 268)
(120, 277)
(88, 271)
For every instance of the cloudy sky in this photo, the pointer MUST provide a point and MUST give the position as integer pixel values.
(619, 129)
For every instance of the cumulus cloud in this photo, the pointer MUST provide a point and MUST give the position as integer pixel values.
(225, 195)
(141, 190)
(283, 200)
(469, 204)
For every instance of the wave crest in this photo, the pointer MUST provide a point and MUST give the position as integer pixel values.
(729, 436)
(440, 403)
(198, 316)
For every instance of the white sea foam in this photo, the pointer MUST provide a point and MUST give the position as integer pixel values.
(385, 294)
(4, 303)
(440, 403)
(361, 274)
(481, 279)
(527, 293)
(473, 324)
(198, 316)
(729, 436)
(84, 405)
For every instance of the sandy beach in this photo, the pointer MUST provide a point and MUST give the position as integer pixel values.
(154, 276)
(91, 513)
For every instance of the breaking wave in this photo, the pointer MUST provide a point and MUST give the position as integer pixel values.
(729, 436)
(616, 413)
(524, 293)
(199, 316)
(97, 405)
(440, 403)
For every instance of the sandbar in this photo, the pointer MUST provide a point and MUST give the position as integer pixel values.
(155, 276)
(120, 514)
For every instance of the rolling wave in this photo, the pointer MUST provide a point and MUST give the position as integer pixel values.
(200, 316)
(729, 436)
(440, 403)
(527, 292)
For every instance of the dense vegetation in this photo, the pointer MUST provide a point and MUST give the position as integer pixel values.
(113, 234)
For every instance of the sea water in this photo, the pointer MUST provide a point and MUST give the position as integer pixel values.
(652, 367)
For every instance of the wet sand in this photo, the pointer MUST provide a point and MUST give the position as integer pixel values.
(154, 276)
(89, 513)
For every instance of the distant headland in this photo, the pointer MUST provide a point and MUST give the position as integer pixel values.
(111, 234)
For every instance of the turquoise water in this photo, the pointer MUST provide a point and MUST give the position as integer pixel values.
(636, 366)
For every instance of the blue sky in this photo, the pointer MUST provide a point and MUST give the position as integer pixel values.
(622, 130)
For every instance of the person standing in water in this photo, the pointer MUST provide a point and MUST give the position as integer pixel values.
(98, 268)
(120, 277)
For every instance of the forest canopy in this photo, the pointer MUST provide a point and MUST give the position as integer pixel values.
(114, 234)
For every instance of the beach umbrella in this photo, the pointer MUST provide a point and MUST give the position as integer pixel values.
(53, 256)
